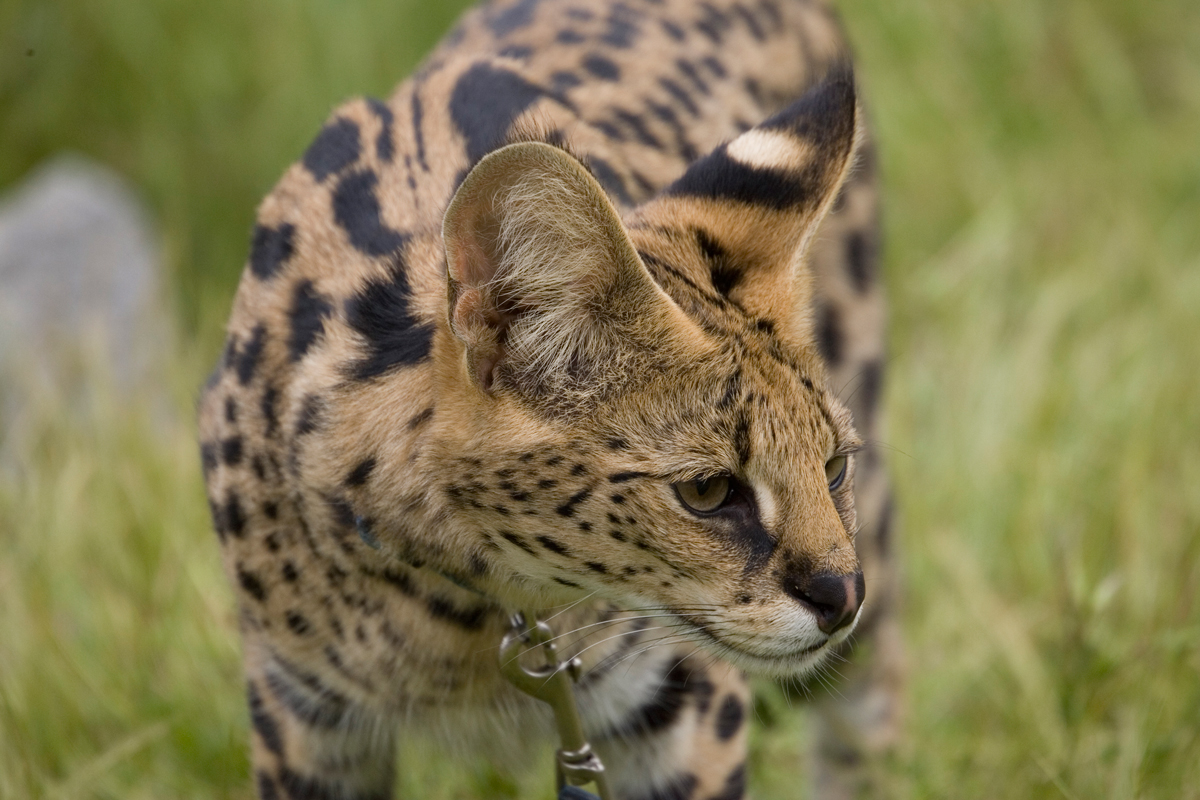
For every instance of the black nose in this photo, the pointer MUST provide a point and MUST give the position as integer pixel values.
(835, 599)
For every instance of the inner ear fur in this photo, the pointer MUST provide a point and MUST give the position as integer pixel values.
(545, 289)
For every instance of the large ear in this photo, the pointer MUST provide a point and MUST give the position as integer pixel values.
(753, 204)
(546, 290)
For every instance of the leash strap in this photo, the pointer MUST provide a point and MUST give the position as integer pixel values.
(551, 681)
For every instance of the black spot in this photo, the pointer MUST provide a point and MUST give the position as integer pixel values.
(267, 406)
(610, 179)
(513, 18)
(547, 483)
(309, 700)
(741, 439)
(308, 313)
(622, 28)
(567, 509)
(417, 114)
(359, 475)
(713, 24)
(563, 80)
(246, 360)
(621, 477)
(735, 785)
(471, 619)
(335, 148)
(310, 415)
(399, 581)
(618, 444)
(484, 103)
(290, 574)
(565, 582)
(299, 787)
(663, 709)
(603, 68)
(552, 545)
(231, 410)
(680, 95)
(382, 314)
(693, 74)
(729, 718)
(756, 29)
(251, 584)
(263, 722)
(512, 538)
(270, 248)
(420, 419)
(266, 786)
(231, 450)
(383, 142)
(755, 90)
(618, 499)
(715, 66)
(674, 31)
(733, 390)
(298, 623)
(860, 260)
(343, 514)
(638, 125)
(829, 335)
(596, 566)
(357, 211)
(685, 148)
(725, 273)
(585, 526)
(869, 390)
(271, 510)
(208, 457)
(569, 36)
(231, 518)
(578, 469)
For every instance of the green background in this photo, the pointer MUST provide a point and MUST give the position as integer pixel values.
(1042, 188)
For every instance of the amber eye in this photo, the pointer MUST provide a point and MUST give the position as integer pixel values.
(706, 495)
(835, 471)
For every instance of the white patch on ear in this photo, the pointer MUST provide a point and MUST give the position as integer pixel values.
(766, 149)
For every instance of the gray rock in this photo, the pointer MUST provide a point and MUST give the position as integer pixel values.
(80, 290)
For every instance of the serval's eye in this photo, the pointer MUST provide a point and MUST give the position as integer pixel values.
(835, 471)
(706, 495)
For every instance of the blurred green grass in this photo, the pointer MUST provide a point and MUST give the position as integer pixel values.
(1043, 265)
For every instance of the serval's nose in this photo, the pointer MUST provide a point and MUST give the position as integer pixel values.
(834, 599)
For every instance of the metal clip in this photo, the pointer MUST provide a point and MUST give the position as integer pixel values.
(552, 682)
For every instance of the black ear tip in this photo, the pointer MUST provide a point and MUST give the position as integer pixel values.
(839, 74)
(835, 95)
(826, 113)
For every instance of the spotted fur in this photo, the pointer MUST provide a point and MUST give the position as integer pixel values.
(593, 250)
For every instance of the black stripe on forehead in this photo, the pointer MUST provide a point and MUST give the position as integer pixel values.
(741, 437)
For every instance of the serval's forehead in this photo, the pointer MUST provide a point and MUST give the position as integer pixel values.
(742, 406)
